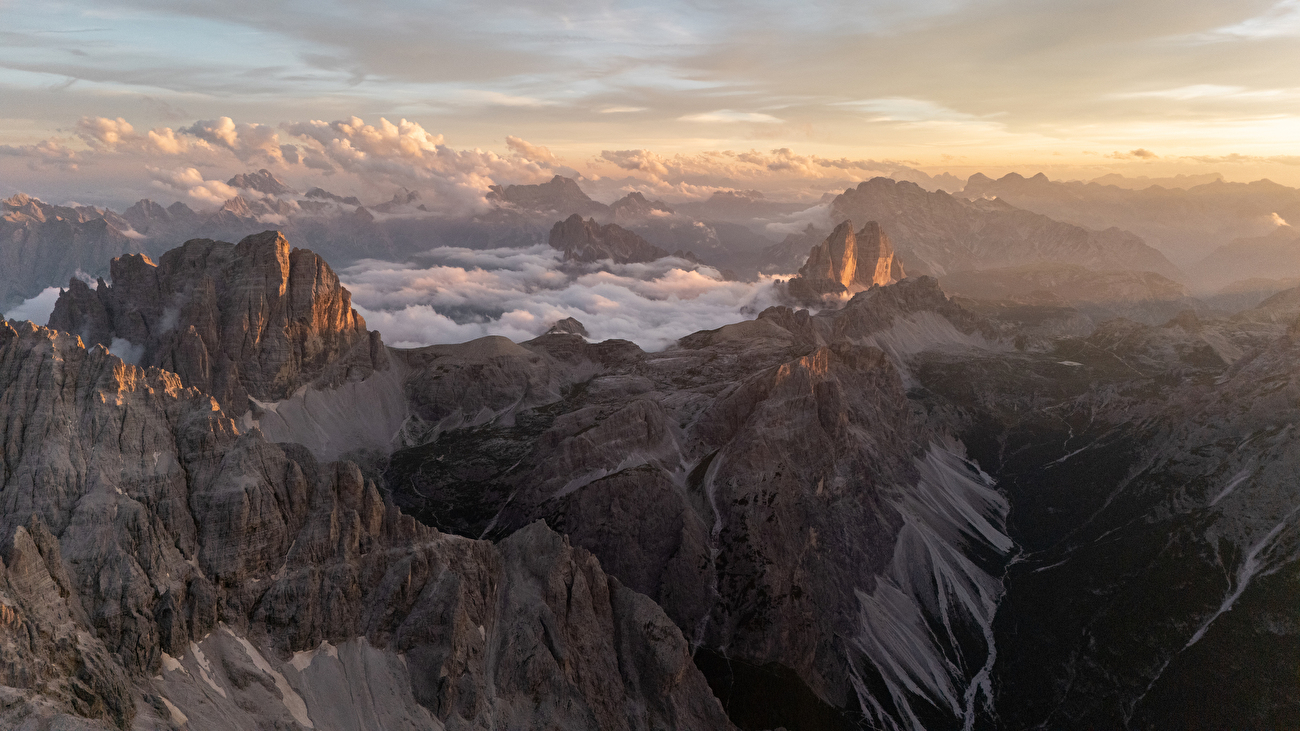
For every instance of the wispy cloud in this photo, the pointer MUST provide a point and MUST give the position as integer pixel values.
(723, 116)
(1280, 21)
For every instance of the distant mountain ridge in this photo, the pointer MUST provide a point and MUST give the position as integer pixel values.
(938, 233)
(1184, 224)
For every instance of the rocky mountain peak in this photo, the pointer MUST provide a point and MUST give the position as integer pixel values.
(321, 193)
(569, 326)
(587, 241)
(262, 181)
(559, 194)
(254, 319)
(848, 262)
(635, 205)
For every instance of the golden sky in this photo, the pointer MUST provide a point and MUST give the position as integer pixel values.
(1074, 89)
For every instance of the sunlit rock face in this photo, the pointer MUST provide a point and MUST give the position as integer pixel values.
(161, 567)
(254, 319)
(846, 263)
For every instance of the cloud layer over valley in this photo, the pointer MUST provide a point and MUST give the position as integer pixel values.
(452, 295)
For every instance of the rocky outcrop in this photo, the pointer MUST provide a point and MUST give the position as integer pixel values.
(255, 319)
(163, 568)
(937, 233)
(588, 241)
(759, 481)
(846, 263)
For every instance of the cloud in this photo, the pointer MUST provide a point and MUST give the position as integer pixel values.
(1138, 154)
(1214, 92)
(1239, 159)
(405, 153)
(1280, 21)
(529, 151)
(246, 141)
(191, 182)
(103, 132)
(45, 152)
(37, 309)
(728, 116)
(622, 110)
(456, 294)
(1279, 220)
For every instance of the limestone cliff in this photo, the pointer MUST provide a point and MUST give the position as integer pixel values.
(163, 569)
(254, 319)
(767, 483)
(845, 263)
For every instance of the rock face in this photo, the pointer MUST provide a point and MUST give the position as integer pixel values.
(161, 568)
(41, 244)
(559, 195)
(588, 241)
(262, 181)
(635, 206)
(255, 319)
(1186, 222)
(937, 233)
(767, 483)
(1068, 299)
(1275, 256)
(1151, 470)
(847, 262)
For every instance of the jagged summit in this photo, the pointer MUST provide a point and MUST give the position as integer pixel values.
(559, 194)
(568, 326)
(847, 262)
(322, 194)
(855, 261)
(252, 319)
(262, 181)
(635, 205)
(587, 241)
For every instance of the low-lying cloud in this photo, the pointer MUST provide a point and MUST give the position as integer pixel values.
(453, 295)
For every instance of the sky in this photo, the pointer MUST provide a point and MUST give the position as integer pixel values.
(106, 101)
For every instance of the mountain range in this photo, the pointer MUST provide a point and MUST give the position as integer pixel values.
(226, 502)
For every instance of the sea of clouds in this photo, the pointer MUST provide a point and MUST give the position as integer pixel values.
(451, 295)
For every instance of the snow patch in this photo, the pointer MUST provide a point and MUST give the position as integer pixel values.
(292, 701)
(205, 669)
(171, 664)
(177, 717)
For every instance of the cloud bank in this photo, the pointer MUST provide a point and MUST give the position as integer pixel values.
(453, 294)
